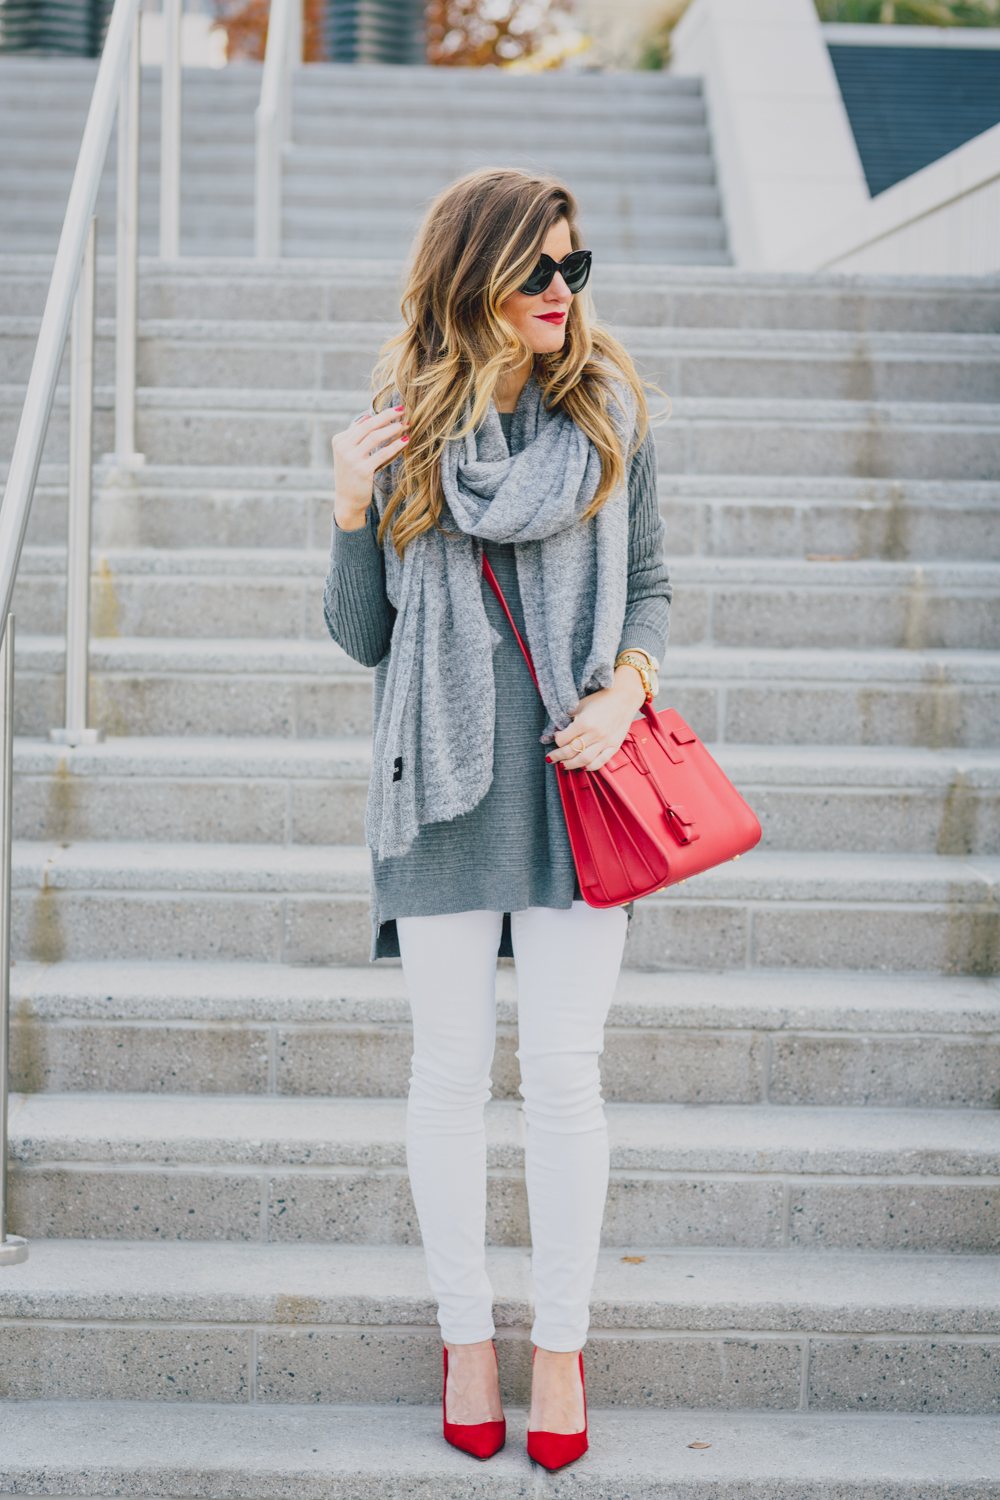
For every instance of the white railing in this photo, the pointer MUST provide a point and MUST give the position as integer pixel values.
(72, 293)
(170, 133)
(942, 221)
(274, 122)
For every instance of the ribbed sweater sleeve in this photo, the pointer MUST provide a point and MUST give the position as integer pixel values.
(647, 610)
(358, 613)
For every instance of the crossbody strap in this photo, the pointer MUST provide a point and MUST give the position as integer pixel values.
(491, 579)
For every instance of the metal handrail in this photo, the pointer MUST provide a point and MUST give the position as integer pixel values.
(72, 291)
(27, 456)
(273, 122)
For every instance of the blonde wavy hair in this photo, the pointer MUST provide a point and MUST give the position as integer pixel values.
(478, 244)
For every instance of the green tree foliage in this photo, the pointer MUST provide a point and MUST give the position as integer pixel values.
(654, 49)
(912, 12)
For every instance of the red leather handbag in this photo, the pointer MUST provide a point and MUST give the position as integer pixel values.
(660, 810)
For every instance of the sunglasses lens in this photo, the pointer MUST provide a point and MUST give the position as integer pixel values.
(539, 278)
(576, 270)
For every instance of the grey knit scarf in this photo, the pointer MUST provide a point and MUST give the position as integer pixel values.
(433, 751)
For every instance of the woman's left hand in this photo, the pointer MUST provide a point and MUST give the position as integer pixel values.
(600, 723)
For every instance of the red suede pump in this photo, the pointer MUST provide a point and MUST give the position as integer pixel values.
(481, 1439)
(554, 1450)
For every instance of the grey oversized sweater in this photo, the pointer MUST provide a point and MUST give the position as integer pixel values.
(511, 851)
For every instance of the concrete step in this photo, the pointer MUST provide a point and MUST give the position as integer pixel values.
(685, 362)
(308, 689)
(65, 77)
(702, 244)
(765, 1037)
(341, 118)
(334, 113)
(213, 197)
(685, 219)
(38, 185)
(324, 80)
(61, 120)
(278, 593)
(331, 85)
(207, 229)
(179, 506)
(693, 297)
(293, 428)
(867, 799)
(144, 686)
(434, 128)
(232, 1167)
(154, 1447)
(531, 116)
(327, 89)
(771, 1331)
(218, 203)
(826, 365)
(683, 156)
(218, 181)
(310, 904)
(831, 520)
(15, 242)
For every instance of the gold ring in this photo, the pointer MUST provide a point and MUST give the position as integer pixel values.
(575, 743)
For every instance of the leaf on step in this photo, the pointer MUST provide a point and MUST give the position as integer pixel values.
(699, 1445)
(633, 1260)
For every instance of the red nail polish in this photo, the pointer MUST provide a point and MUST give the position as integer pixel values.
(405, 438)
(399, 408)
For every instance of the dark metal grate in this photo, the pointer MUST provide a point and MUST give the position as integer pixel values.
(66, 28)
(909, 106)
(374, 31)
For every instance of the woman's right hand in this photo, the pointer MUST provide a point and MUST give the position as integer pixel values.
(358, 454)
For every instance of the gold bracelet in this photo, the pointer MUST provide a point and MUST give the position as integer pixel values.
(646, 667)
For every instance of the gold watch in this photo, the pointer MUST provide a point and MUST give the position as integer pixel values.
(646, 666)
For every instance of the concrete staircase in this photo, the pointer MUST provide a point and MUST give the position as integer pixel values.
(372, 146)
(802, 1058)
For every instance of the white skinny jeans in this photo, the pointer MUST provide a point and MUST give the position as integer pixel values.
(567, 967)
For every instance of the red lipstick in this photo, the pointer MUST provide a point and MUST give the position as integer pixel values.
(553, 317)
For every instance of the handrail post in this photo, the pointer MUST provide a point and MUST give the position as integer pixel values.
(293, 60)
(272, 122)
(81, 445)
(12, 1247)
(296, 33)
(127, 260)
(170, 132)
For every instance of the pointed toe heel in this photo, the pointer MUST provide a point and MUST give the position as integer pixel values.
(480, 1439)
(554, 1450)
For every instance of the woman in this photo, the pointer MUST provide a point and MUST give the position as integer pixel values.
(508, 426)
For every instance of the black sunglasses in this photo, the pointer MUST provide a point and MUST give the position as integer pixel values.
(575, 270)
